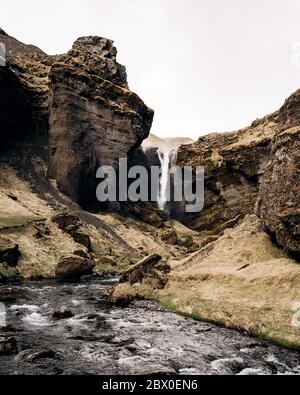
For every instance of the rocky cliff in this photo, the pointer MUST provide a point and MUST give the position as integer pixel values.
(63, 116)
(254, 169)
(24, 91)
(278, 203)
(80, 102)
(94, 118)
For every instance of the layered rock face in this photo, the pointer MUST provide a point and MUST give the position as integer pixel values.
(81, 101)
(233, 163)
(14, 108)
(94, 118)
(24, 94)
(256, 169)
(278, 204)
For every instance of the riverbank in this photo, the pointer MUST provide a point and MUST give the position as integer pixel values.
(142, 339)
(241, 281)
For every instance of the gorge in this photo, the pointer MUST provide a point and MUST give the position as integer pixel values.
(235, 264)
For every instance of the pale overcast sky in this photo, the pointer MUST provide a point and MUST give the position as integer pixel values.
(202, 65)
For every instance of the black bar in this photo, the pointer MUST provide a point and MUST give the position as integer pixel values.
(90, 385)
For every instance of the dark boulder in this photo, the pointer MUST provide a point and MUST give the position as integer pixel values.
(62, 313)
(72, 267)
(8, 344)
(9, 252)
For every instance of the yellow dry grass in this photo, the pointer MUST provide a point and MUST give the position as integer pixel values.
(243, 281)
(18, 221)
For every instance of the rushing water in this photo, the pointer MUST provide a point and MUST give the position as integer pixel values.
(143, 338)
(167, 158)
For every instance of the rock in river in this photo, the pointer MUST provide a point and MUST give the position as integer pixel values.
(62, 313)
(8, 344)
(9, 252)
(72, 267)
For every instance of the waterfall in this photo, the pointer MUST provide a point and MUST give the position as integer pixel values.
(2, 315)
(167, 158)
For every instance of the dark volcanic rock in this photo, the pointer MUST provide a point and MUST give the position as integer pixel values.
(72, 267)
(8, 344)
(62, 313)
(121, 295)
(24, 90)
(290, 111)
(147, 212)
(256, 169)
(9, 252)
(72, 225)
(14, 109)
(34, 355)
(150, 271)
(138, 271)
(94, 118)
(278, 205)
(233, 164)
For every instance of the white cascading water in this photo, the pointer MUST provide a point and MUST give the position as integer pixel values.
(167, 157)
(164, 157)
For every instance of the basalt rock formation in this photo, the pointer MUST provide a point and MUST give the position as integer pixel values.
(254, 169)
(79, 103)
(9, 252)
(278, 204)
(24, 94)
(94, 118)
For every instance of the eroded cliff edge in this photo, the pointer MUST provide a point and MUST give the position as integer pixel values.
(80, 102)
(254, 170)
(94, 118)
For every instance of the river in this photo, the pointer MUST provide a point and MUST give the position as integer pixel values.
(141, 339)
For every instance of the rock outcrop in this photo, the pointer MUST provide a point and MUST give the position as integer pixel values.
(14, 109)
(122, 295)
(151, 271)
(94, 118)
(256, 169)
(8, 344)
(73, 267)
(80, 101)
(24, 94)
(71, 224)
(233, 164)
(278, 205)
(9, 252)
(62, 313)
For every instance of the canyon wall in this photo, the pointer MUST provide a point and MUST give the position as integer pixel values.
(278, 203)
(256, 169)
(24, 94)
(94, 118)
(79, 103)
